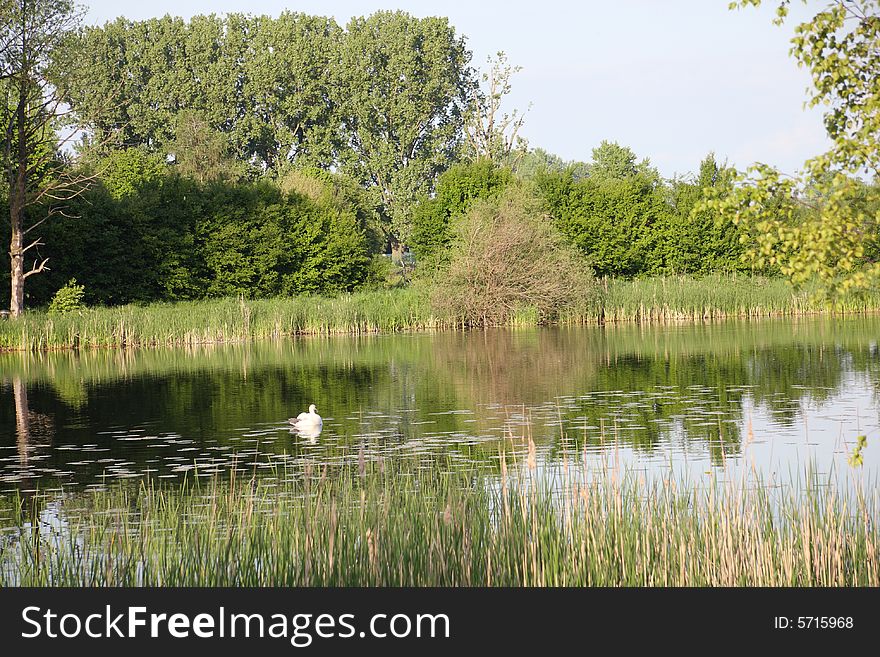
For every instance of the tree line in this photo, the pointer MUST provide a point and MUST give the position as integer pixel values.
(284, 155)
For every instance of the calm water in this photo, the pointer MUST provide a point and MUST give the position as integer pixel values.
(772, 395)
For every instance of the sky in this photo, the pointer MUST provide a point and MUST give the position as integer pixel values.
(671, 79)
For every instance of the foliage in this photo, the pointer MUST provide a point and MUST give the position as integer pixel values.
(455, 190)
(506, 257)
(808, 224)
(32, 100)
(259, 242)
(402, 87)
(612, 221)
(146, 233)
(257, 85)
(611, 161)
(68, 299)
(629, 223)
(537, 160)
(202, 153)
(698, 240)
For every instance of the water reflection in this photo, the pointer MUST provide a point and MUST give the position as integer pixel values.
(654, 395)
(309, 433)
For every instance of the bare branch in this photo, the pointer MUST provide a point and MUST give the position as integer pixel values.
(37, 269)
(36, 242)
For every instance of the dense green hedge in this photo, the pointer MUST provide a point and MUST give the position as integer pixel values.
(144, 233)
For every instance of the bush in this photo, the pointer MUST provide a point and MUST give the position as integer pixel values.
(507, 257)
(68, 299)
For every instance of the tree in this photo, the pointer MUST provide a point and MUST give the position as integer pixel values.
(201, 153)
(489, 132)
(32, 110)
(456, 189)
(807, 225)
(611, 161)
(261, 83)
(538, 160)
(695, 239)
(402, 86)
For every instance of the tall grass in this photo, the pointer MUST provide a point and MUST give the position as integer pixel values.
(680, 298)
(676, 298)
(216, 321)
(399, 524)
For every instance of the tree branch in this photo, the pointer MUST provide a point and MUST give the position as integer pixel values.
(37, 269)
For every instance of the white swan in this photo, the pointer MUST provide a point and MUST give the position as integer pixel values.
(310, 422)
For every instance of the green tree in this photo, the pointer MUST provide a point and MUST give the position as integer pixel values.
(807, 225)
(614, 215)
(696, 239)
(537, 160)
(262, 83)
(202, 153)
(33, 96)
(402, 85)
(456, 189)
(613, 161)
(259, 242)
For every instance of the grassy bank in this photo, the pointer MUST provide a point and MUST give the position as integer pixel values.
(231, 320)
(399, 524)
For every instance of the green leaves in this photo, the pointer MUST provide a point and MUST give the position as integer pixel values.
(813, 226)
(261, 83)
(402, 87)
(382, 101)
(856, 459)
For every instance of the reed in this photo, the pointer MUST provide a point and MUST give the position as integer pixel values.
(399, 523)
(676, 298)
(665, 299)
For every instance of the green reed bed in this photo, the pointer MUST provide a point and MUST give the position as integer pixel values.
(717, 296)
(678, 298)
(216, 321)
(401, 524)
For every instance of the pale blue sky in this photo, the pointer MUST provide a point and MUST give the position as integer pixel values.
(672, 79)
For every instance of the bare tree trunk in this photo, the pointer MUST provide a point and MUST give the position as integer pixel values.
(16, 254)
(17, 191)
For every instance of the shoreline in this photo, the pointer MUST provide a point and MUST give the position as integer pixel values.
(659, 301)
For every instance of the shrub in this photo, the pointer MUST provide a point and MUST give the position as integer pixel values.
(506, 257)
(68, 299)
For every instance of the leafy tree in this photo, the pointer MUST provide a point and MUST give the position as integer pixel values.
(260, 242)
(286, 110)
(202, 153)
(611, 161)
(133, 238)
(402, 85)
(614, 215)
(696, 239)
(456, 189)
(537, 160)
(262, 83)
(33, 95)
(341, 193)
(68, 299)
(808, 225)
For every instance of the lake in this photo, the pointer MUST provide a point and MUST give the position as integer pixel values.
(773, 396)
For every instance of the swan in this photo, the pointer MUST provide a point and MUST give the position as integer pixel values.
(309, 422)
